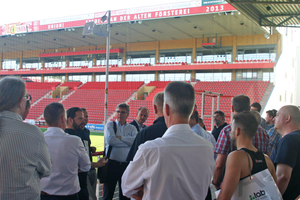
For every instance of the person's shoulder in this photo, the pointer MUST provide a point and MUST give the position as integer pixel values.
(130, 126)
(261, 130)
(226, 129)
(29, 128)
(133, 122)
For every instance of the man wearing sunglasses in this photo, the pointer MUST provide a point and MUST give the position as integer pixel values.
(120, 139)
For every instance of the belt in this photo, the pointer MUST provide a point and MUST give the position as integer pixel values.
(120, 163)
(46, 194)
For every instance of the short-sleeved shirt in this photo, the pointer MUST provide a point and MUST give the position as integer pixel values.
(288, 152)
(224, 145)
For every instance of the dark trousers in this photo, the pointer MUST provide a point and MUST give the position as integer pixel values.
(83, 194)
(55, 197)
(115, 172)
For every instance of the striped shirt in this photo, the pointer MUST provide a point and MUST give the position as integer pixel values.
(224, 145)
(24, 158)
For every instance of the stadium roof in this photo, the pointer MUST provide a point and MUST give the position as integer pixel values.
(273, 13)
(195, 19)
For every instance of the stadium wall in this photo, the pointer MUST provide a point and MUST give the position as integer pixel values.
(286, 72)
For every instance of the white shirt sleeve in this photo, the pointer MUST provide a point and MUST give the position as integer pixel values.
(84, 160)
(133, 176)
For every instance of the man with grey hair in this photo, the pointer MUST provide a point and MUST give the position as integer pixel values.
(179, 165)
(120, 136)
(24, 156)
(286, 156)
(151, 132)
(140, 119)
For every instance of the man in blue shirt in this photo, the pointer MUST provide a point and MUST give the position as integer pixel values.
(121, 141)
(273, 134)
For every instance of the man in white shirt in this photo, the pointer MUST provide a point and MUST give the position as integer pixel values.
(180, 164)
(68, 156)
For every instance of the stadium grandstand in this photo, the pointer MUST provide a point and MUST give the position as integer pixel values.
(210, 44)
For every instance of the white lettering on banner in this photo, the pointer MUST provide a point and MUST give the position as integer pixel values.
(215, 8)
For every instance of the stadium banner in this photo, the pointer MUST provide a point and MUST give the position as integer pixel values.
(131, 15)
(96, 127)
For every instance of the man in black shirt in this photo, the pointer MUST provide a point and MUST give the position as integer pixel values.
(286, 156)
(151, 132)
(75, 126)
(219, 120)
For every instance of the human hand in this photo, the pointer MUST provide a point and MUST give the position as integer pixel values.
(139, 194)
(120, 137)
(93, 149)
(101, 162)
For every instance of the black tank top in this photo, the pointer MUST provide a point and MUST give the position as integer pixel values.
(258, 161)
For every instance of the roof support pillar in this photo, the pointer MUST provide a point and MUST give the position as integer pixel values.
(123, 76)
(234, 49)
(93, 76)
(194, 58)
(157, 52)
(67, 77)
(21, 60)
(124, 54)
(193, 74)
(42, 78)
(233, 75)
(156, 75)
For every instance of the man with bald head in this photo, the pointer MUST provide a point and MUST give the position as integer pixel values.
(286, 156)
(151, 132)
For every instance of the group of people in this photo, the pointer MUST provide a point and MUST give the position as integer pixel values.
(174, 158)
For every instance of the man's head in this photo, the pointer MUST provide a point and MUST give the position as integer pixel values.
(201, 123)
(219, 118)
(122, 113)
(158, 104)
(85, 116)
(271, 114)
(240, 103)
(13, 96)
(287, 119)
(256, 115)
(142, 115)
(256, 106)
(244, 127)
(75, 119)
(179, 102)
(55, 115)
(194, 119)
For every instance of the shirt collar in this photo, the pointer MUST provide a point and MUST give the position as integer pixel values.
(118, 123)
(11, 115)
(271, 126)
(56, 130)
(177, 128)
(140, 126)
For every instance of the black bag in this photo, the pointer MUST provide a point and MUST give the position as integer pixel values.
(103, 171)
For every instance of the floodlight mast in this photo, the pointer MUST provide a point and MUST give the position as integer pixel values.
(106, 72)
